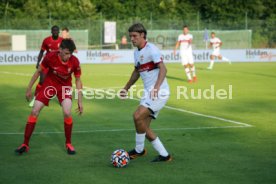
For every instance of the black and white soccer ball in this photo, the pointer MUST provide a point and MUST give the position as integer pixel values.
(120, 158)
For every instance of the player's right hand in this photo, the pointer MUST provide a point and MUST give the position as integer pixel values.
(123, 94)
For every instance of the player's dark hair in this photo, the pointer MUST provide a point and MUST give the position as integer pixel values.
(55, 27)
(138, 27)
(65, 29)
(213, 33)
(68, 44)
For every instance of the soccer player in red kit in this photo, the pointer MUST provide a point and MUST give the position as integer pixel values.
(58, 81)
(49, 44)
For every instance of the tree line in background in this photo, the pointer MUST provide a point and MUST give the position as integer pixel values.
(258, 15)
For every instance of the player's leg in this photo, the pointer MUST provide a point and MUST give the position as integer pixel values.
(156, 143)
(139, 118)
(193, 71)
(148, 110)
(224, 59)
(212, 57)
(188, 73)
(68, 124)
(184, 61)
(30, 125)
(192, 67)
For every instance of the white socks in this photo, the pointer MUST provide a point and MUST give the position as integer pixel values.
(188, 73)
(140, 142)
(158, 146)
(193, 71)
(226, 59)
(211, 64)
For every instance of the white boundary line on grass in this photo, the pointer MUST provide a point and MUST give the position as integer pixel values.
(238, 124)
(125, 130)
(16, 73)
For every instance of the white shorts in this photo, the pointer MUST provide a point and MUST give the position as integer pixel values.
(187, 58)
(216, 52)
(154, 105)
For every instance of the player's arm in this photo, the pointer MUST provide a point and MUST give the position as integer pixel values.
(190, 42)
(160, 79)
(133, 78)
(220, 44)
(40, 55)
(79, 110)
(176, 47)
(210, 44)
(31, 83)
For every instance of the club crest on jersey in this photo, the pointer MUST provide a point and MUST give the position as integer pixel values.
(69, 70)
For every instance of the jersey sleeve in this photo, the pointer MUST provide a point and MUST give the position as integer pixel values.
(179, 38)
(44, 45)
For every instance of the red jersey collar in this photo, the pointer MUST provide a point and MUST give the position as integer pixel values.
(64, 63)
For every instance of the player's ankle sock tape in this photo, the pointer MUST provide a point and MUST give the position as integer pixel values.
(68, 120)
(32, 119)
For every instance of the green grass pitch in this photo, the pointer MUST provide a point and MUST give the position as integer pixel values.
(240, 148)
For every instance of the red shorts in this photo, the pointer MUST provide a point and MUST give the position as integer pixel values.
(49, 91)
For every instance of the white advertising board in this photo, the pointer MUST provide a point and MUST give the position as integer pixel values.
(126, 56)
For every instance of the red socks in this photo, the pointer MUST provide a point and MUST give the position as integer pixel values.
(29, 129)
(68, 125)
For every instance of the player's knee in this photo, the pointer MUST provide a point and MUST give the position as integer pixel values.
(137, 116)
(67, 113)
(35, 112)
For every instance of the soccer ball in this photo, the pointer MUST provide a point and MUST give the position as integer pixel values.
(119, 158)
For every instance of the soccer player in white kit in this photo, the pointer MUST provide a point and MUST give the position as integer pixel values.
(149, 65)
(186, 53)
(216, 43)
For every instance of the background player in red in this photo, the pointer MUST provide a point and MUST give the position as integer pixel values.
(66, 35)
(58, 81)
(49, 44)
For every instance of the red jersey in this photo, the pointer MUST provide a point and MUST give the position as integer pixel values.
(50, 45)
(60, 73)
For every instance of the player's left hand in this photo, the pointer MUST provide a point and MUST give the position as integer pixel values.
(154, 93)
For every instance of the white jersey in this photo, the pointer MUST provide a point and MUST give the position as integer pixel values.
(146, 60)
(215, 42)
(184, 41)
